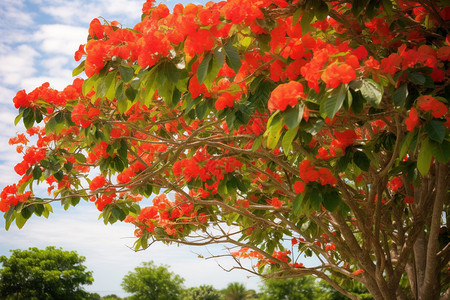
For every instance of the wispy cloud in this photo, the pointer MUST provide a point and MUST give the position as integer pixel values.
(77, 11)
(19, 61)
(60, 39)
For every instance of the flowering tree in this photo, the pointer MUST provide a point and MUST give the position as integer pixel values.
(280, 127)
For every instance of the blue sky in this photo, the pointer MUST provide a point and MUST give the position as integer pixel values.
(39, 38)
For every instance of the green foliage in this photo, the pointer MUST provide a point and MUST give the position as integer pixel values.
(149, 281)
(354, 287)
(297, 288)
(237, 291)
(44, 274)
(203, 292)
(111, 297)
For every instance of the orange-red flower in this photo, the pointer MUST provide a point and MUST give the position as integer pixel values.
(413, 120)
(429, 103)
(336, 74)
(97, 183)
(284, 95)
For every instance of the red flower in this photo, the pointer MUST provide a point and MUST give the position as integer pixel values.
(413, 120)
(82, 116)
(21, 99)
(330, 247)
(97, 182)
(96, 29)
(80, 52)
(276, 203)
(21, 168)
(395, 184)
(284, 95)
(357, 272)
(334, 74)
(225, 100)
(409, 199)
(428, 103)
(299, 187)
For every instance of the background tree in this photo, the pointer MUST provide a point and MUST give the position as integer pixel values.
(238, 291)
(203, 292)
(356, 288)
(149, 281)
(44, 274)
(111, 297)
(284, 128)
(297, 288)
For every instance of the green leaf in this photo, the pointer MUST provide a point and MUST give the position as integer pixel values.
(28, 117)
(80, 157)
(257, 143)
(321, 10)
(89, 84)
(37, 172)
(233, 58)
(219, 54)
(316, 199)
(123, 150)
(201, 110)
(334, 102)
(126, 73)
(331, 200)
(424, 157)
(213, 70)
(387, 6)
(359, 6)
(307, 17)
(288, 138)
(10, 216)
(293, 116)
(18, 118)
(372, 92)
(343, 162)
(436, 130)
(78, 69)
(39, 209)
(417, 78)
(296, 16)
(274, 134)
(203, 68)
(297, 205)
(50, 126)
(27, 211)
(441, 151)
(400, 95)
(20, 220)
(131, 93)
(406, 142)
(372, 8)
(361, 160)
(110, 85)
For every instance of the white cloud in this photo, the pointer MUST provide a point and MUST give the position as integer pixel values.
(56, 82)
(6, 95)
(60, 39)
(13, 14)
(79, 12)
(19, 61)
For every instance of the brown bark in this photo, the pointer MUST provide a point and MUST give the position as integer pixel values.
(429, 290)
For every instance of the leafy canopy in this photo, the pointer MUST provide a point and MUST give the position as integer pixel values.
(44, 274)
(149, 281)
(282, 128)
